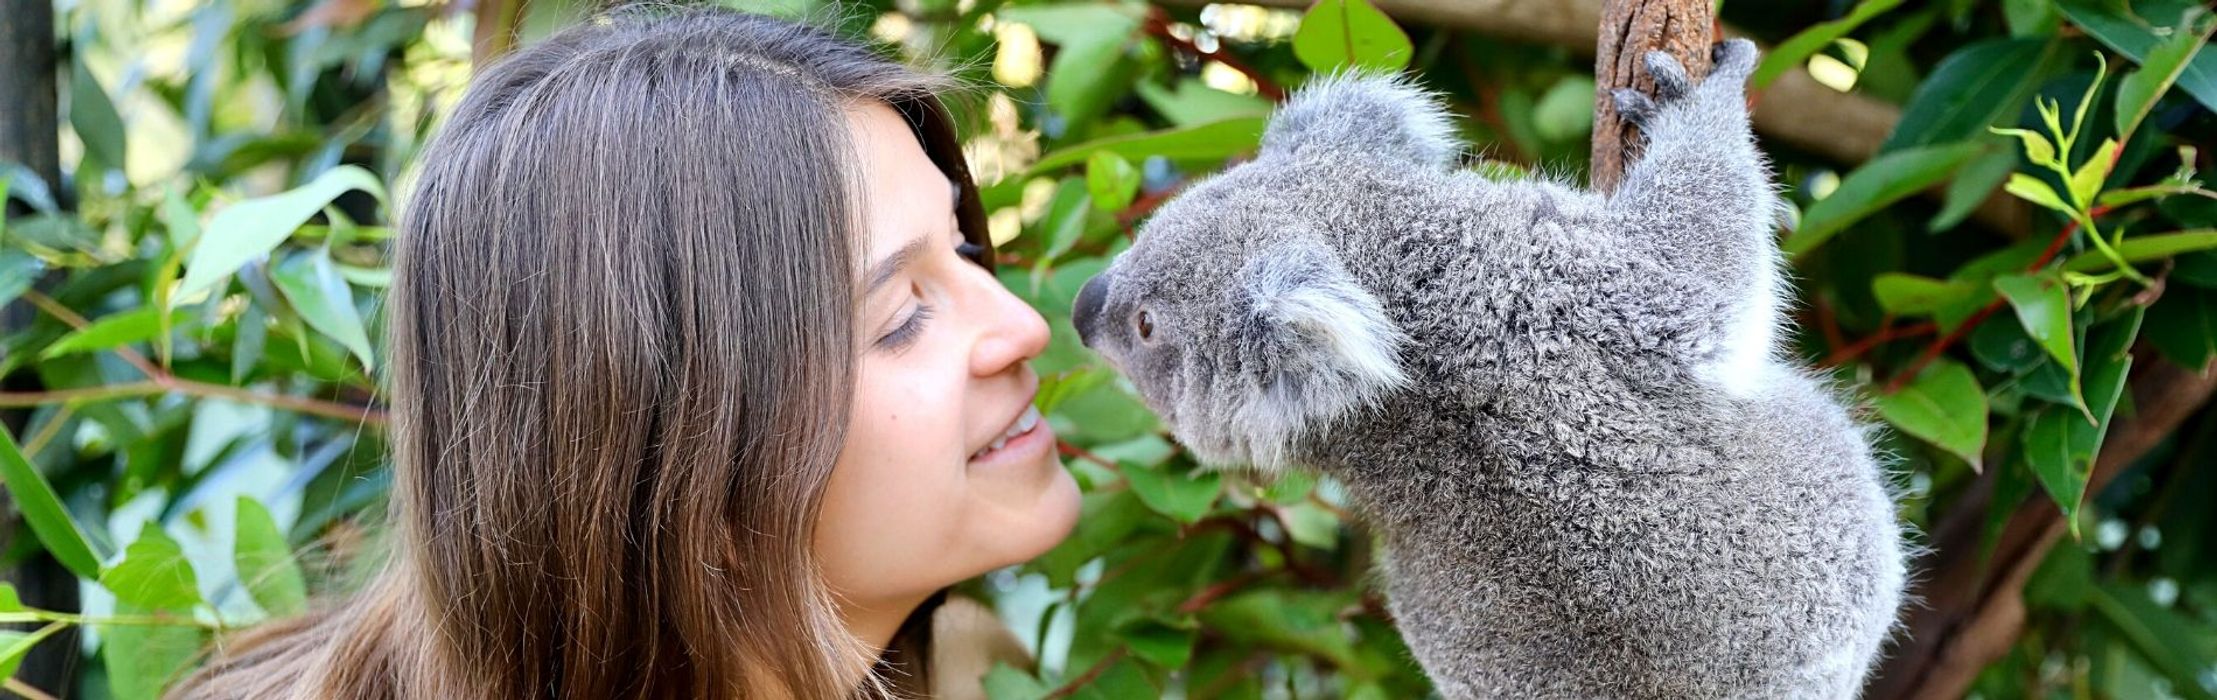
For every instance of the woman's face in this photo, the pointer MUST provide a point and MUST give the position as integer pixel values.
(947, 471)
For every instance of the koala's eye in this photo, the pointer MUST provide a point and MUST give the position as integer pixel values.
(1145, 324)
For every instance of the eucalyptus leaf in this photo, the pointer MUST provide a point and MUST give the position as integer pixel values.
(1972, 89)
(1791, 53)
(1874, 186)
(1183, 497)
(1339, 34)
(2160, 68)
(143, 660)
(2061, 443)
(36, 503)
(265, 561)
(252, 228)
(153, 574)
(2043, 306)
(324, 300)
(1944, 406)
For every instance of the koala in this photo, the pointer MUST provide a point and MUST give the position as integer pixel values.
(1562, 413)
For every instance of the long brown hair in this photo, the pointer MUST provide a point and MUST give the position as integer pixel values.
(620, 367)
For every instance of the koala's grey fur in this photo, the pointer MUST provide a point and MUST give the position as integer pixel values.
(1562, 411)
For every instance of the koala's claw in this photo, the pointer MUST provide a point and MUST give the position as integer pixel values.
(1633, 106)
(1732, 59)
(1671, 81)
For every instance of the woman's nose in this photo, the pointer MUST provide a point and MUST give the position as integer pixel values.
(1014, 334)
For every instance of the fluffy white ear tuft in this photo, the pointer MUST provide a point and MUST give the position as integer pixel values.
(1324, 345)
(1364, 115)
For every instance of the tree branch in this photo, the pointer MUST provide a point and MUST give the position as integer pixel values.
(1973, 606)
(1795, 109)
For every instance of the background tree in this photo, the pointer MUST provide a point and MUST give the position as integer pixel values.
(2003, 244)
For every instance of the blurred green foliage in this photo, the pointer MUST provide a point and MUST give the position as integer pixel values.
(195, 431)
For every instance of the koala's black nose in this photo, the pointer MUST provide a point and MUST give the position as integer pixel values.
(1088, 309)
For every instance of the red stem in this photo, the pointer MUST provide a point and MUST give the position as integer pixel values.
(1932, 352)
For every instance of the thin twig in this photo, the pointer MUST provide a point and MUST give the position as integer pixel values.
(28, 691)
(161, 381)
(1099, 667)
(50, 306)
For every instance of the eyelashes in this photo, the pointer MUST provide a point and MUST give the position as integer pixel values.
(905, 335)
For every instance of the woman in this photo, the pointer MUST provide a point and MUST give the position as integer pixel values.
(701, 385)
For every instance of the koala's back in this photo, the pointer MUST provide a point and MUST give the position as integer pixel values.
(1756, 556)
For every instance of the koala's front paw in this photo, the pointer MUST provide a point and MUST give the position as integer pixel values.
(1731, 62)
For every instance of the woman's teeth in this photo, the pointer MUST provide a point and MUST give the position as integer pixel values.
(1024, 424)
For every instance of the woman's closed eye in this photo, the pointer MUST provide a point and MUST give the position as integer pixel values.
(905, 334)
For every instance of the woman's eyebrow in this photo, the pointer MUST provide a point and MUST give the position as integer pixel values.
(884, 269)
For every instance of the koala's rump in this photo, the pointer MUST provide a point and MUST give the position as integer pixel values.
(1768, 569)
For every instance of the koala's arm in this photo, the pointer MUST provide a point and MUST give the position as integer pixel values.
(1700, 200)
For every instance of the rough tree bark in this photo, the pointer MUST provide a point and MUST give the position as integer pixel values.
(1629, 30)
(1795, 110)
(30, 136)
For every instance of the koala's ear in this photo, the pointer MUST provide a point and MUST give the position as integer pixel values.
(1364, 115)
(1330, 344)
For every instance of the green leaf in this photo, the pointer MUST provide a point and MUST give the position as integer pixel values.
(2037, 148)
(14, 645)
(250, 338)
(1158, 642)
(1973, 88)
(1876, 185)
(2137, 31)
(1311, 525)
(1338, 34)
(1121, 681)
(1297, 621)
(1111, 180)
(1006, 682)
(252, 228)
(1975, 182)
(2087, 180)
(153, 573)
(1214, 141)
(2004, 347)
(94, 118)
(1565, 113)
(143, 660)
(265, 562)
(9, 601)
(18, 270)
(2159, 70)
(1944, 406)
(1904, 294)
(137, 325)
(36, 502)
(1090, 68)
(1183, 497)
(1105, 519)
(2036, 191)
(2164, 636)
(324, 300)
(2043, 306)
(2060, 444)
(1190, 102)
(2183, 326)
(1793, 51)
(2145, 248)
(2029, 17)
